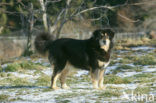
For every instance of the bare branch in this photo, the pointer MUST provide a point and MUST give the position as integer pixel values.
(51, 1)
(144, 3)
(52, 28)
(128, 19)
(2, 4)
(93, 8)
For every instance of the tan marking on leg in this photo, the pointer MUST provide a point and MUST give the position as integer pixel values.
(54, 85)
(63, 76)
(95, 83)
(101, 63)
(101, 74)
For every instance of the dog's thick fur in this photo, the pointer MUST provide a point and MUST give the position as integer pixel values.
(91, 54)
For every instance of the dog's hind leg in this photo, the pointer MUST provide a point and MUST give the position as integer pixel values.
(101, 78)
(54, 78)
(63, 77)
(95, 77)
(58, 67)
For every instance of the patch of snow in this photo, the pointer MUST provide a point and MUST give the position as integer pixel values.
(109, 69)
(46, 64)
(81, 72)
(127, 74)
(123, 51)
(131, 64)
(148, 69)
(21, 75)
(119, 59)
(38, 61)
(82, 99)
(47, 97)
(48, 71)
(125, 86)
(28, 58)
(144, 48)
(4, 66)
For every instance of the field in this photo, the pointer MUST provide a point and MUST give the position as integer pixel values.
(130, 77)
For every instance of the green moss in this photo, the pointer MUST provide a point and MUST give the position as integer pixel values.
(146, 75)
(47, 90)
(15, 81)
(30, 65)
(4, 97)
(20, 82)
(25, 65)
(43, 80)
(112, 79)
(145, 60)
(1, 69)
(124, 67)
(142, 90)
(12, 67)
(125, 61)
(115, 88)
(109, 94)
(3, 74)
(15, 99)
(144, 78)
(69, 95)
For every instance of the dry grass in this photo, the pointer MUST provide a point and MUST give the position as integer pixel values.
(124, 44)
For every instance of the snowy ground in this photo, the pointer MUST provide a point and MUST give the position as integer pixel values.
(128, 78)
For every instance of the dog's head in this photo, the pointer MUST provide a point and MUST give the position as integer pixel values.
(104, 38)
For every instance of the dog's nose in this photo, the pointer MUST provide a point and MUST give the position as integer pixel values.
(104, 41)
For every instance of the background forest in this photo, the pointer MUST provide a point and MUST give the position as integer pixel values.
(52, 15)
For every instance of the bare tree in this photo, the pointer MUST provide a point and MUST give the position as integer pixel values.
(44, 16)
(30, 26)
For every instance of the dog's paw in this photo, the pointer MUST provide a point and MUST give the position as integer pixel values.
(102, 87)
(55, 88)
(96, 87)
(65, 86)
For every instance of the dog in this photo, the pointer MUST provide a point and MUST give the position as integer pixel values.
(92, 54)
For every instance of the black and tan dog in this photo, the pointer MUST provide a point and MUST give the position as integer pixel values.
(91, 54)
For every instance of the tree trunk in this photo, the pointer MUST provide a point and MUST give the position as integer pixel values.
(44, 17)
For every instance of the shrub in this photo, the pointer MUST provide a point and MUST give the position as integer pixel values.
(12, 67)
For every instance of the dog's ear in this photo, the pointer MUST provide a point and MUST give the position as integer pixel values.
(96, 34)
(112, 34)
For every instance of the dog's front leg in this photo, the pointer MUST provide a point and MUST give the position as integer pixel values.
(101, 79)
(63, 78)
(95, 77)
(54, 78)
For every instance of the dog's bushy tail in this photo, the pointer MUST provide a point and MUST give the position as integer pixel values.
(42, 42)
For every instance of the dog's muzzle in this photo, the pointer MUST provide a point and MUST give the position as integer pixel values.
(102, 42)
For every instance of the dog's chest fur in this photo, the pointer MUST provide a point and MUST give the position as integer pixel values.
(103, 64)
(103, 58)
